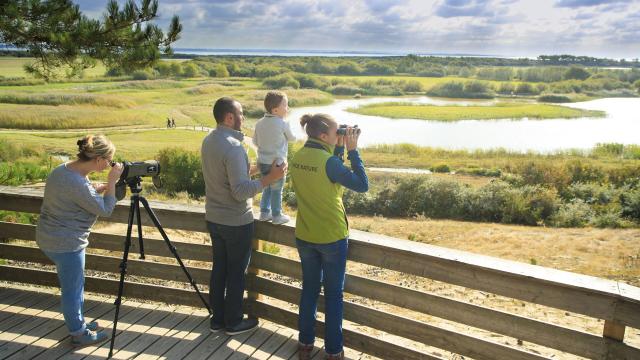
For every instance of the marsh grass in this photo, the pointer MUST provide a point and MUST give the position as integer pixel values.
(502, 110)
(66, 99)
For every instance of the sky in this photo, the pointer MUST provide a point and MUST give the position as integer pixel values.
(526, 28)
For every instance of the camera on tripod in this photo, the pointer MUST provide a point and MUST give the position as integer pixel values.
(132, 174)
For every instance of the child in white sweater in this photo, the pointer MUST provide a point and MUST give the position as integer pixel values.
(272, 135)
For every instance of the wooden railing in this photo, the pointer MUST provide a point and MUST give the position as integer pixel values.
(616, 304)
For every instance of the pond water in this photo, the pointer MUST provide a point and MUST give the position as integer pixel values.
(620, 125)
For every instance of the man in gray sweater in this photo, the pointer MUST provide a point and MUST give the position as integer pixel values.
(229, 214)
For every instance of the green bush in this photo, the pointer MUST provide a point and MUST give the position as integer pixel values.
(345, 90)
(312, 81)
(610, 219)
(552, 98)
(591, 193)
(456, 89)
(140, 75)
(181, 171)
(573, 214)
(281, 81)
(441, 168)
(576, 73)
(630, 202)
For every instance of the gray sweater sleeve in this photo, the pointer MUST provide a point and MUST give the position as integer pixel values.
(88, 198)
(236, 163)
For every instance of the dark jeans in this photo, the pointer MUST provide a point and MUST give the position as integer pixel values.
(322, 264)
(231, 255)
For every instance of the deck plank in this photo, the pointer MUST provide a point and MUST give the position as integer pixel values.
(164, 344)
(34, 329)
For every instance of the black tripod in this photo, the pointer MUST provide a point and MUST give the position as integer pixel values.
(136, 198)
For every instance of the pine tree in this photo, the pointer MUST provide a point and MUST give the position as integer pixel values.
(58, 35)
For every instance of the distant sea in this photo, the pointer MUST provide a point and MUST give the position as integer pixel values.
(325, 53)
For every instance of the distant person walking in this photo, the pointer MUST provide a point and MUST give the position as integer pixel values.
(229, 215)
(173, 123)
(168, 123)
(322, 230)
(70, 207)
(271, 136)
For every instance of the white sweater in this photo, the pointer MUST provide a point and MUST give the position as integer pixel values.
(271, 136)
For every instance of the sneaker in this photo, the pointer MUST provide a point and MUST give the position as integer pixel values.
(93, 326)
(265, 216)
(88, 338)
(281, 219)
(243, 327)
(215, 327)
(304, 351)
(338, 356)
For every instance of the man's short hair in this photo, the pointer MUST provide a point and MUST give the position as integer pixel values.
(222, 107)
(273, 100)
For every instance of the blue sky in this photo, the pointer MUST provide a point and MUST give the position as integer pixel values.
(502, 27)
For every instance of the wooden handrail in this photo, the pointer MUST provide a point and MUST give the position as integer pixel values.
(617, 303)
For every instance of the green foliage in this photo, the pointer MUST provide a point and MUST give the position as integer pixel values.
(636, 84)
(526, 89)
(552, 98)
(345, 90)
(577, 73)
(281, 81)
(630, 201)
(18, 217)
(573, 214)
(441, 168)
(219, 71)
(181, 171)
(141, 75)
(456, 89)
(190, 70)
(58, 35)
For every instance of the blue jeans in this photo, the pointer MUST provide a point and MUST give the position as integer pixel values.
(326, 264)
(231, 255)
(271, 201)
(70, 268)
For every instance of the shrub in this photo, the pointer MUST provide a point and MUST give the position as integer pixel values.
(456, 89)
(281, 81)
(349, 69)
(506, 88)
(190, 70)
(552, 98)
(140, 75)
(573, 214)
(591, 193)
(412, 86)
(312, 82)
(630, 202)
(219, 71)
(526, 89)
(441, 168)
(345, 90)
(181, 171)
(577, 73)
(609, 219)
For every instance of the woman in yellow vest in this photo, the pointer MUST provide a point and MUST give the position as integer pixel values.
(322, 231)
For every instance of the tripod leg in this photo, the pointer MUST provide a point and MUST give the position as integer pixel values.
(123, 269)
(140, 242)
(173, 250)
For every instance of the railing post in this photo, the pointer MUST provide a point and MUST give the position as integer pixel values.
(252, 273)
(614, 331)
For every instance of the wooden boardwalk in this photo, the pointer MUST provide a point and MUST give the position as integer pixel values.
(31, 327)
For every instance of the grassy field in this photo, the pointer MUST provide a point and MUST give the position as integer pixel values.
(426, 82)
(502, 110)
(407, 155)
(143, 103)
(13, 67)
(130, 145)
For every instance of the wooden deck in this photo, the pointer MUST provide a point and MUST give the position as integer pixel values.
(31, 327)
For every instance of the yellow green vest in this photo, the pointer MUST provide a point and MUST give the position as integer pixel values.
(321, 217)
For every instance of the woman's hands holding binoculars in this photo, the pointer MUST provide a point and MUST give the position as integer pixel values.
(350, 138)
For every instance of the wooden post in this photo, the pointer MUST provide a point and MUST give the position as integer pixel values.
(613, 330)
(252, 273)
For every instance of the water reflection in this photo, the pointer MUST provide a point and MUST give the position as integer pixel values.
(621, 125)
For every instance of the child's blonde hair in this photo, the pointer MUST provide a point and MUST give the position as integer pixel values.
(273, 100)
